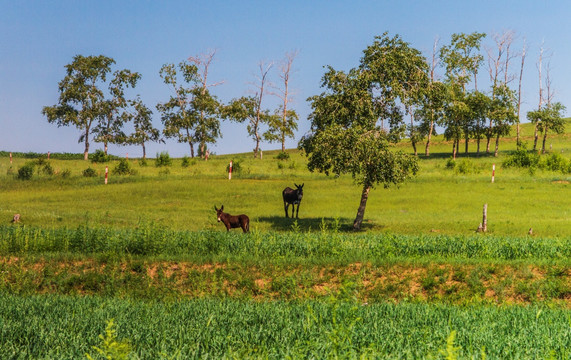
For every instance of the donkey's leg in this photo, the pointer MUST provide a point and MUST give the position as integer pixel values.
(297, 212)
(286, 206)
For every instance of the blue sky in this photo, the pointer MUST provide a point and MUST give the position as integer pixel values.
(38, 38)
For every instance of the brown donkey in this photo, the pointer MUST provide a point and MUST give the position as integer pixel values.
(231, 221)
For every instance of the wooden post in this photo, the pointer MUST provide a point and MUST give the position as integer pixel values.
(230, 171)
(106, 172)
(493, 172)
(48, 155)
(485, 218)
(10, 157)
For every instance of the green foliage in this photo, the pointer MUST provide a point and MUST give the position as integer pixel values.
(465, 167)
(522, 158)
(163, 159)
(26, 171)
(89, 172)
(66, 173)
(124, 168)
(450, 163)
(556, 162)
(236, 167)
(47, 169)
(111, 348)
(185, 161)
(282, 155)
(99, 156)
(143, 162)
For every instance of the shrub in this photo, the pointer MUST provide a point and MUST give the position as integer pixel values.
(236, 168)
(10, 171)
(99, 156)
(556, 162)
(89, 172)
(163, 159)
(465, 166)
(47, 169)
(66, 173)
(282, 156)
(26, 172)
(41, 161)
(123, 168)
(143, 162)
(521, 158)
(450, 163)
(185, 161)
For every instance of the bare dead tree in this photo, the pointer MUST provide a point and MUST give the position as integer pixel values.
(203, 62)
(433, 66)
(260, 85)
(539, 68)
(519, 92)
(284, 95)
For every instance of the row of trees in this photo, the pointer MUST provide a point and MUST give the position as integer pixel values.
(363, 110)
(92, 98)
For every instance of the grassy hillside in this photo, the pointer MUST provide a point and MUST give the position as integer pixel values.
(438, 200)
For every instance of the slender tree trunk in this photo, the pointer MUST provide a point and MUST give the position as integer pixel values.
(257, 149)
(544, 139)
(427, 147)
(497, 145)
(466, 134)
(535, 137)
(105, 147)
(361, 211)
(86, 151)
(454, 149)
(144, 151)
(519, 93)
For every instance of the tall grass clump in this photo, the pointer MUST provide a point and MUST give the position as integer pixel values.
(26, 171)
(163, 159)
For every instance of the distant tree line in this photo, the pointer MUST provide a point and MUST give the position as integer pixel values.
(92, 97)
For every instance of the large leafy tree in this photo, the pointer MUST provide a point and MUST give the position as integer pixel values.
(82, 100)
(110, 128)
(144, 130)
(191, 113)
(548, 118)
(462, 60)
(398, 75)
(345, 136)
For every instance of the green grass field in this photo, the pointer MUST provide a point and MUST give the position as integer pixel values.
(416, 282)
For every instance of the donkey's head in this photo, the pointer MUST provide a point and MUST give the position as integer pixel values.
(299, 190)
(219, 212)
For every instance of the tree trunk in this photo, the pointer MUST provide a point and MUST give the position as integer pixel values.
(535, 136)
(544, 138)
(361, 211)
(497, 145)
(144, 151)
(414, 148)
(105, 146)
(467, 135)
(191, 148)
(86, 151)
(454, 149)
(257, 149)
(427, 148)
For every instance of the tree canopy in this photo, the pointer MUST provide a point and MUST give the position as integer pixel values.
(345, 135)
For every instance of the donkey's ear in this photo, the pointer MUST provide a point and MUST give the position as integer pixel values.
(215, 208)
(222, 208)
(296, 185)
(302, 185)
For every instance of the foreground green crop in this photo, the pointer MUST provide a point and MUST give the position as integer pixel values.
(68, 327)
